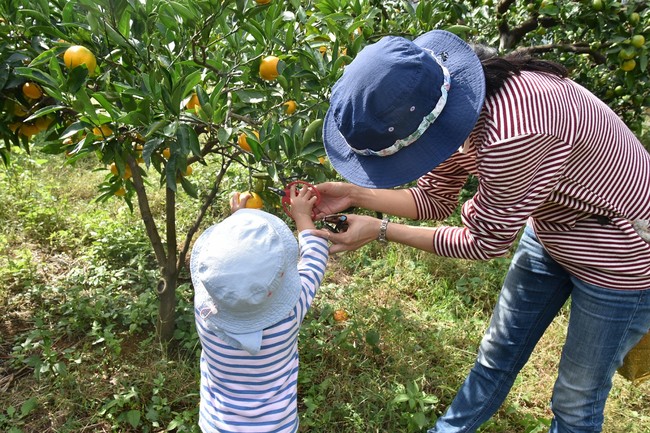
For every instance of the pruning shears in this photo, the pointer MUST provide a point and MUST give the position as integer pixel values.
(286, 199)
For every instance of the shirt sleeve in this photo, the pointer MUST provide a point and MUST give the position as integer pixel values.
(314, 253)
(436, 194)
(515, 177)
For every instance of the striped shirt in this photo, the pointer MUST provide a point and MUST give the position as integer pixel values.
(547, 151)
(258, 393)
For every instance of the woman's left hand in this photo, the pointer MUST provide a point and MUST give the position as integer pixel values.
(361, 230)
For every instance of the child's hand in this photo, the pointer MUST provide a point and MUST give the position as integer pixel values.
(302, 203)
(238, 201)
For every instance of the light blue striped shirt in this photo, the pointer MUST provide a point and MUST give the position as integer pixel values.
(258, 393)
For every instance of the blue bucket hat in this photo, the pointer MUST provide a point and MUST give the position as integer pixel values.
(402, 107)
(245, 276)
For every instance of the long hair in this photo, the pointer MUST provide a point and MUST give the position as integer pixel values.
(498, 69)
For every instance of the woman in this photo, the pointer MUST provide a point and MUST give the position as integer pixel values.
(550, 158)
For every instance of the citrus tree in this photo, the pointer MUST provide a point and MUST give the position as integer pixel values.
(146, 90)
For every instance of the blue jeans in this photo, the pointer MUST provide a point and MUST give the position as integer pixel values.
(604, 325)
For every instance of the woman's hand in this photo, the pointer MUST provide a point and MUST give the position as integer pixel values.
(335, 197)
(361, 230)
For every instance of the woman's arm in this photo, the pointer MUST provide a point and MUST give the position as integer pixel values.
(363, 229)
(338, 196)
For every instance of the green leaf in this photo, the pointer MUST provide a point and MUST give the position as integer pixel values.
(43, 111)
(400, 398)
(109, 107)
(28, 406)
(188, 140)
(36, 75)
(88, 107)
(255, 30)
(372, 337)
(311, 130)
(189, 188)
(250, 96)
(133, 418)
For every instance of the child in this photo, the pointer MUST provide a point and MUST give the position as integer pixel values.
(251, 295)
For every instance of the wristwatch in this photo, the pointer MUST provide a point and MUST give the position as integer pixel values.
(382, 231)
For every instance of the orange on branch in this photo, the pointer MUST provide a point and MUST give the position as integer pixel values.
(269, 68)
(78, 55)
(103, 131)
(628, 65)
(127, 171)
(43, 122)
(28, 130)
(254, 201)
(290, 107)
(193, 103)
(32, 90)
(243, 143)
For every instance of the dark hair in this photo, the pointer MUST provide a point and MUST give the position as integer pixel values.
(498, 69)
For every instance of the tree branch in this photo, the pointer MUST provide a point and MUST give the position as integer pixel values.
(145, 211)
(598, 57)
(225, 163)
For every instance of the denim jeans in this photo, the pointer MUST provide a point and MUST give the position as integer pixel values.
(604, 324)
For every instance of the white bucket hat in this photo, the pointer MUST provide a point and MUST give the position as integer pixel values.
(245, 276)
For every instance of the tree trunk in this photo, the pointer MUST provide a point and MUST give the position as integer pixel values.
(169, 277)
(166, 323)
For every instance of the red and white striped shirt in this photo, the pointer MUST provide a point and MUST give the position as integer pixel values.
(546, 150)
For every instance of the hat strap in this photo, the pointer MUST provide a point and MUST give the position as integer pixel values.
(424, 125)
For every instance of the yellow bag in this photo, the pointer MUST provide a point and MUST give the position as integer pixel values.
(636, 365)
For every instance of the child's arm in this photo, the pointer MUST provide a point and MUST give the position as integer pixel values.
(314, 253)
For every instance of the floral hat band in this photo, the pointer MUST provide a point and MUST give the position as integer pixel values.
(424, 125)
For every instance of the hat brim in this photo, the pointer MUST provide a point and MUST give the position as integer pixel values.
(283, 301)
(439, 141)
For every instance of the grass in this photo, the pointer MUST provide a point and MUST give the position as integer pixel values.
(78, 352)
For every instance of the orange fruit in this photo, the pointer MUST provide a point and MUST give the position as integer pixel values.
(127, 171)
(321, 159)
(638, 41)
(628, 65)
(42, 123)
(103, 131)
(32, 90)
(254, 201)
(290, 107)
(340, 316)
(120, 192)
(188, 170)
(243, 143)
(262, 2)
(28, 129)
(79, 55)
(269, 68)
(322, 49)
(193, 103)
(19, 110)
(166, 153)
